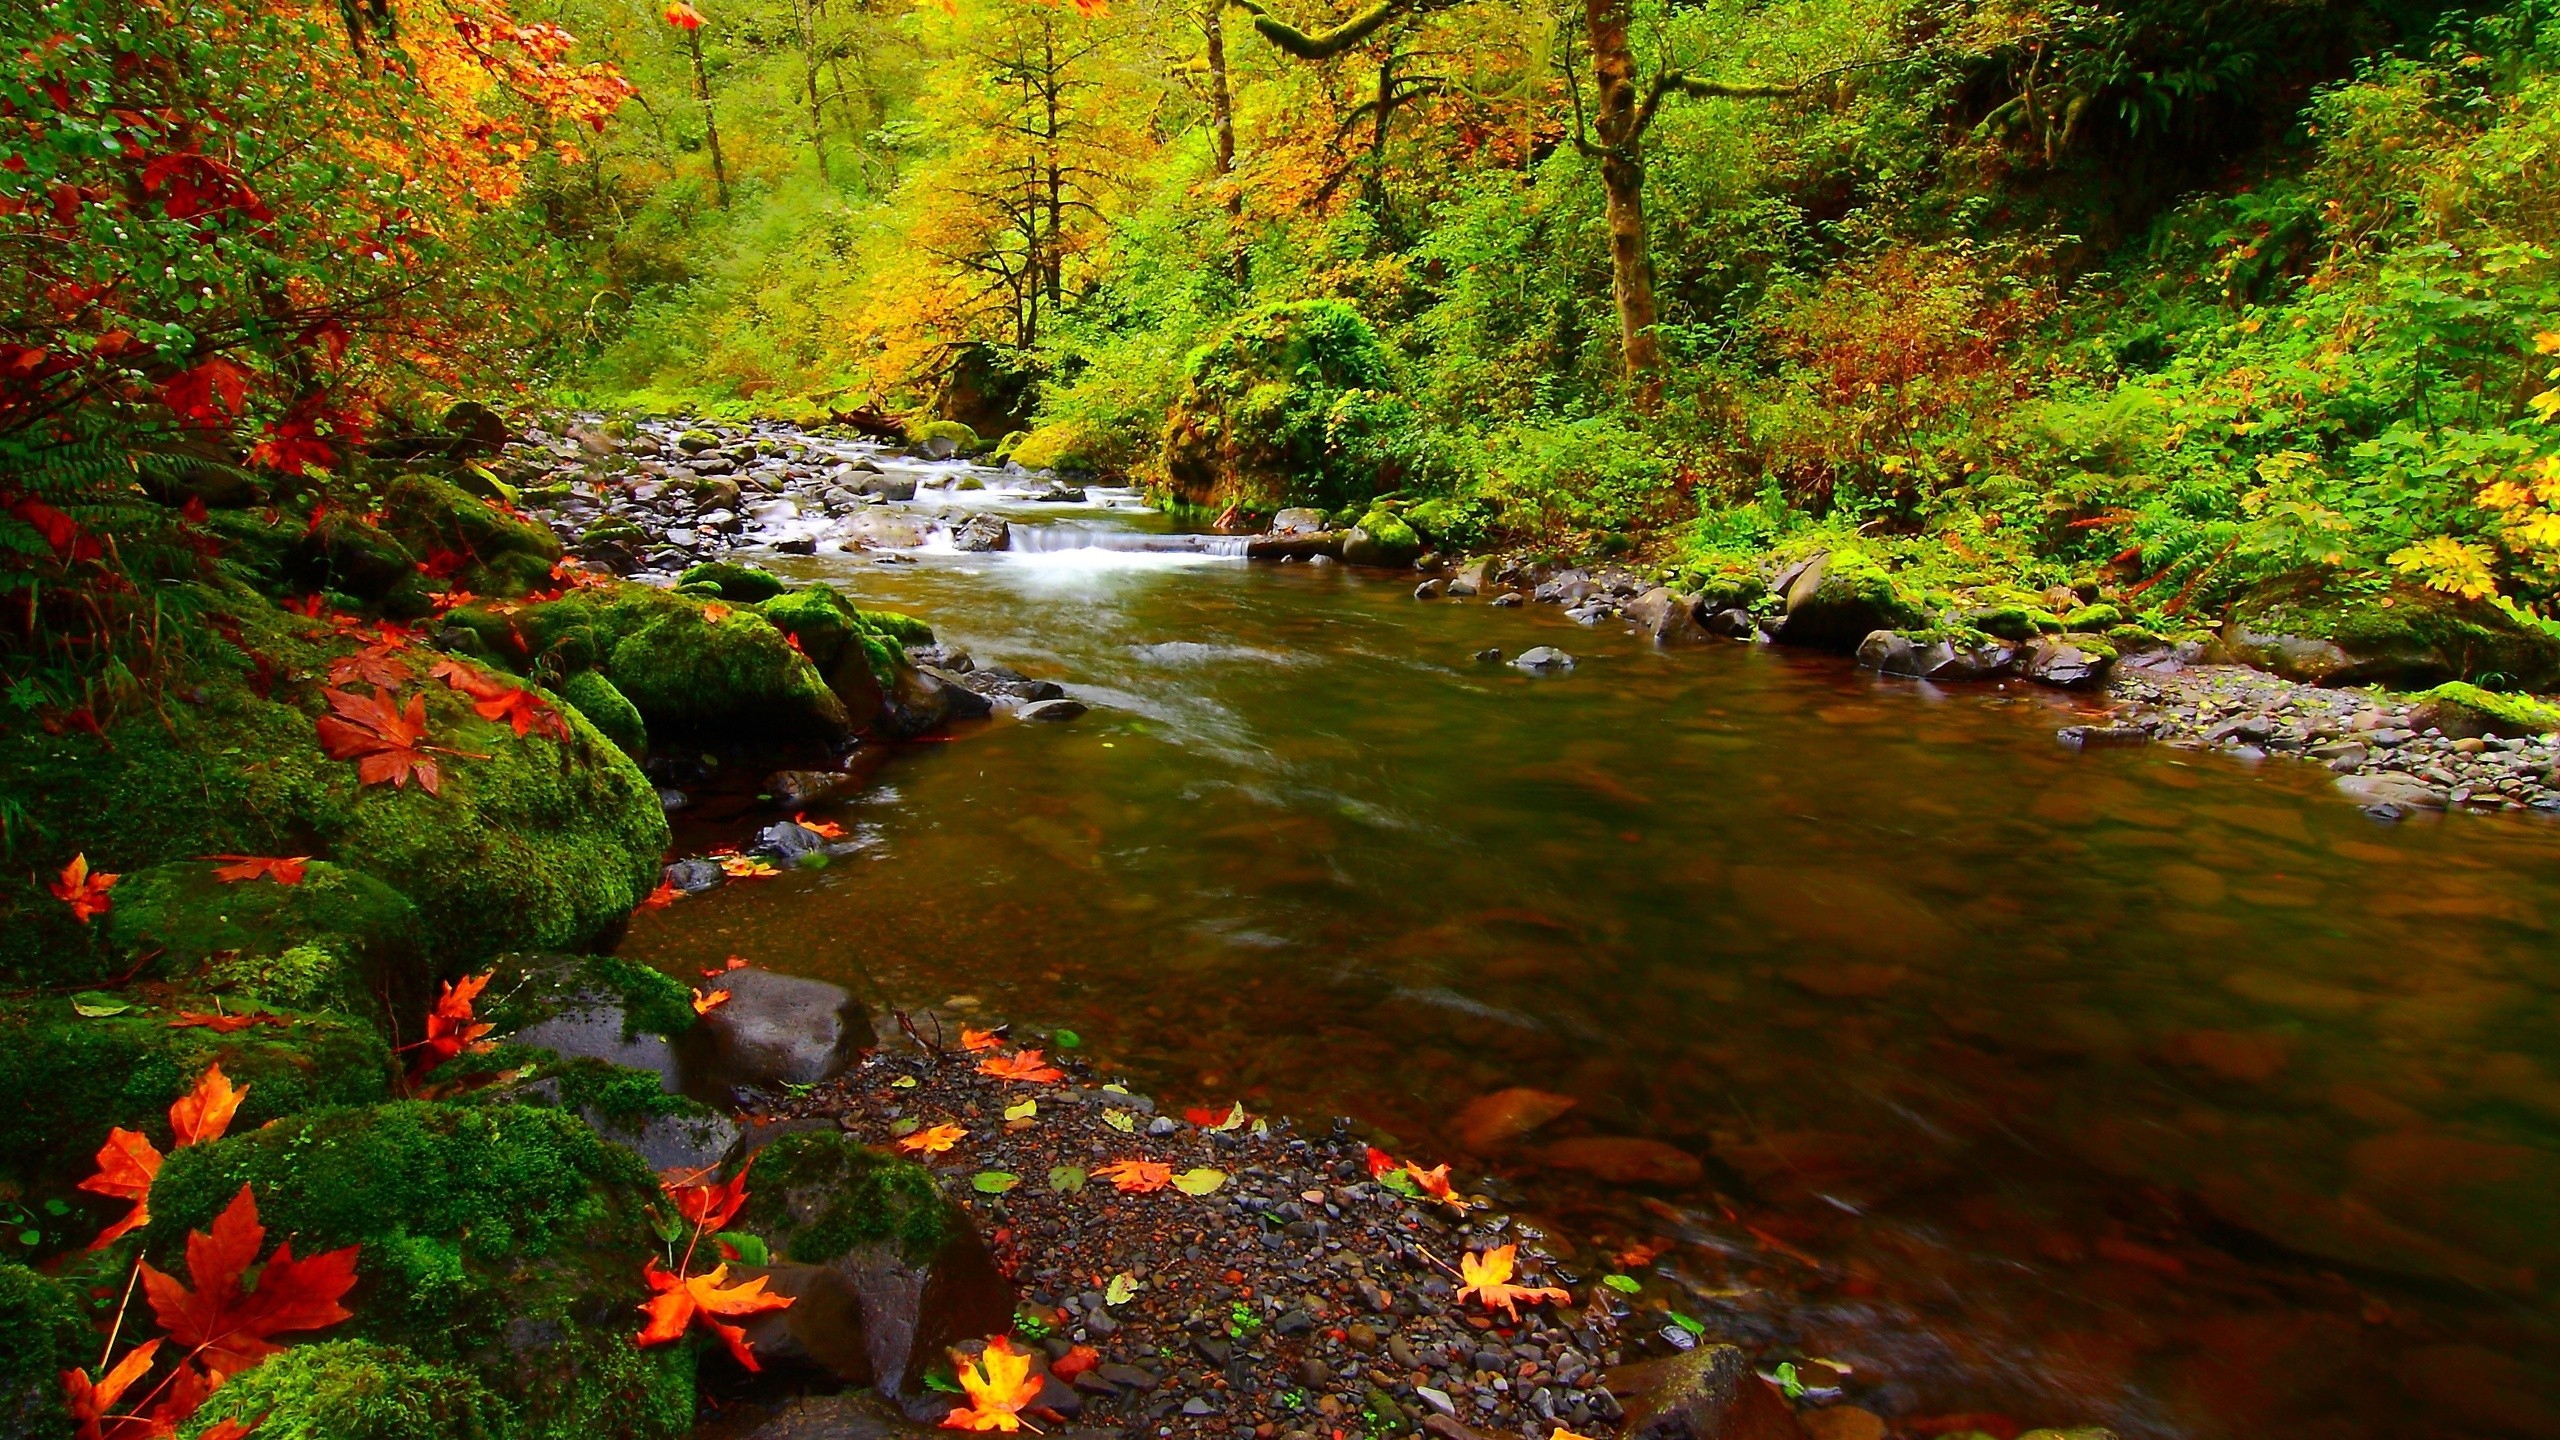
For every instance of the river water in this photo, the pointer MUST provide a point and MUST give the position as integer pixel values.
(2128, 1087)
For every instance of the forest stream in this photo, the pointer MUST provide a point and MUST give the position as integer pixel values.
(2137, 1086)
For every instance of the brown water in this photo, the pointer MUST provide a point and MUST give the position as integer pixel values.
(2129, 1087)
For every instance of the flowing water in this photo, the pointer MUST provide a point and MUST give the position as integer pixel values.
(2127, 1087)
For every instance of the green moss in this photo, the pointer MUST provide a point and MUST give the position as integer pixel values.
(841, 1194)
(1067, 445)
(352, 1390)
(301, 977)
(1381, 538)
(529, 842)
(2009, 622)
(2420, 638)
(502, 1238)
(499, 553)
(592, 695)
(531, 989)
(186, 917)
(1277, 409)
(741, 584)
(2093, 618)
(952, 430)
(689, 673)
(2514, 716)
(47, 1334)
(66, 1079)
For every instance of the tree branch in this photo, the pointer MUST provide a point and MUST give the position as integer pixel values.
(1323, 44)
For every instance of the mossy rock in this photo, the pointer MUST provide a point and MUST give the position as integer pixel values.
(1382, 539)
(931, 435)
(66, 1079)
(348, 553)
(502, 554)
(1268, 413)
(2410, 639)
(1011, 442)
(353, 1390)
(742, 584)
(2093, 619)
(1840, 598)
(530, 842)
(833, 1194)
(502, 1239)
(529, 989)
(1066, 445)
(858, 652)
(184, 917)
(48, 1334)
(2460, 709)
(592, 695)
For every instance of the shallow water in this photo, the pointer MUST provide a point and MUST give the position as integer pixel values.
(2128, 1087)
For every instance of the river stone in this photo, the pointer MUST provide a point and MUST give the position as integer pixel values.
(2389, 787)
(777, 1030)
(1542, 659)
(1669, 617)
(1430, 589)
(1297, 521)
(1709, 1393)
(788, 840)
(800, 789)
(921, 701)
(2067, 666)
(1471, 578)
(887, 487)
(590, 1021)
(981, 533)
(965, 703)
(692, 877)
(1492, 1121)
(1051, 710)
(1626, 1160)
(1732, 624)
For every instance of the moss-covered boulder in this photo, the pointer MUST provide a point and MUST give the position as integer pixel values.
(1282, 408)
(924, 1278)
(356, 932)
(504, 1240)
(1382, 539)
(609, 710)
(1841, 596)
(528, 842)
(468, 542)
(1077, 445)
(858, 651)
(66, 1078)
(2463, 710)
(347, 553)
(942, 439)
(600, 1038)
(694, 666)
(2409, 639)
(353, 1390)
(47, 1334)
(743, 584)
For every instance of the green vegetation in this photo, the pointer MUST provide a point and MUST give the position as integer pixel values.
(351, 1390)
(839, 1194)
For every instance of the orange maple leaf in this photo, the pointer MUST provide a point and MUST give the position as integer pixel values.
(1137, 1177)
(1023, 1065)
(91, 1400)
(973, 1040)
(226, 1325)
(932, 1141)
(707, 1206)
(1488, 1278)
(85, 892)
(665, 895)
(747, 867)
(1075, 1362)
(1380, 1162)
(678, 1299)
(451, 1027)
(127, 1164)
(999, 1383)
(735, 962)
(683, 16)
(377, 664)
(714, 611)
(200, 1116)
(705, 1004)
(282, 869)
(1434, 1182)
(823, 829)
(385, 741)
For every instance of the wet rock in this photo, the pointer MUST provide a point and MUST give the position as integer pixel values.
(887, 487)
(1492, 1121)
(1490, 655)
(1051, 710)
(1565, 587)
(1669, 617)
(1471, 578)
(2390, 788)
(922, 701)
(1298, 521)
(777, 1030)
(2070, 663)
(788, 840)
(2098, 737)
(821, 1331)
(1626, 1160)
(692, 877)
(981, 533)
(1840, 598)
(1430, 589)
(800, 789)
(1731, 624)
(1543, 660)
(1708, 1394)
(963, 702)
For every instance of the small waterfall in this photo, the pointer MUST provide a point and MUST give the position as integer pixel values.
(1069, 535)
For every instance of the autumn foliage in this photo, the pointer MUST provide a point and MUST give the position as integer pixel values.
(129, 1162)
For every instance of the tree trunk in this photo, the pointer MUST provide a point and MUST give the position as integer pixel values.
(1222, 136)
(1618, 127)
(805, 11)
(710, 122)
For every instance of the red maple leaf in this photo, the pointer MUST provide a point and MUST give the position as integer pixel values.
(665, 895)
(224, 1324)
(451, 1027)
(707, 1206)
(129, 1162)
(70, 543)
(523, 712)
(383, 740)
(1023, 1065)
(377, 664)
(282, 869)
(224, 1024)
(677, 1299)
(210, 394)
(84, 890)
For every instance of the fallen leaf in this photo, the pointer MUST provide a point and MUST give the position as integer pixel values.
(998, 1383)
(707, 1206)
(127, 1164)
(83, 891)
(1067, 1179)
(747, 867)
(823, 829)
(377, 664)
(229, 1023)
(202, 1115)
(282, 869)
(680, 1299)
(1075, 1362)
(735, 962)
(1488, 1278)
(1137, 1177)
(1124, 1287)
(993, 1182)
(1200, 1180)
(1023, 1110)
(904, 1082)
(1623, 1284)
(451, 1027)
(387, 742)
(705, 1004)
(1121, 1120)
(973, 1040)
(659, 899)
(98, 1005)
(1022, 1065)
(225, 1324)
(715, 612)
(1380, 1162)
(90, 1401)
(1231, 1118)
(933, 1141)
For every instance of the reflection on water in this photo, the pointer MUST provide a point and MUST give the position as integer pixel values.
(2123, 1087)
